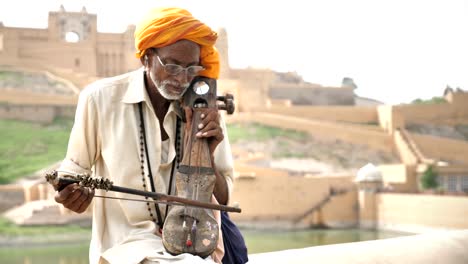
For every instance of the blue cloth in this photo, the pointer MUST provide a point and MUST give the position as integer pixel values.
(235, 250)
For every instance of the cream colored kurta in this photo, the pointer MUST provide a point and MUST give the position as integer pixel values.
(105, 140)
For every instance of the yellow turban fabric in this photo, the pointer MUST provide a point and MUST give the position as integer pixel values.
(165, 26)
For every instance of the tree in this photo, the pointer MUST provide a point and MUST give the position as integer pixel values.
(429, 178)
(433, 100)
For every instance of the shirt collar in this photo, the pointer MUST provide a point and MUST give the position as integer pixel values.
(136, 91)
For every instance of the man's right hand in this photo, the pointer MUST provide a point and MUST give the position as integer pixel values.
(75, 197)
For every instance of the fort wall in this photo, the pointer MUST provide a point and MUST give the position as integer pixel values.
(349, 114)
(455, 111)
(443, 113)
(404, 149)
(273, 195)
(44, 114)
(304, 95)
(94, 53)
(399, 178)
(420, 212)
(11, 195)
(450, 150)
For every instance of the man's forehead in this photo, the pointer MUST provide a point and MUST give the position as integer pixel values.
(181, 50)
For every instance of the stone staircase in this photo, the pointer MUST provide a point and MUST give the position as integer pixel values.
(45, 212)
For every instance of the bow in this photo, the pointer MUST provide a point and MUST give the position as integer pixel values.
(86, 180)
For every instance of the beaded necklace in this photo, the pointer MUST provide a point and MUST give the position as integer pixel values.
(144, 152)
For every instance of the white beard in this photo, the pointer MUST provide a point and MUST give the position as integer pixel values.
(164, 92)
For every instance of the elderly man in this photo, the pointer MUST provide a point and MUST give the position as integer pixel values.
(126, 130)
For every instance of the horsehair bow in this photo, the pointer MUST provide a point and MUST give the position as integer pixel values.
(85, 180)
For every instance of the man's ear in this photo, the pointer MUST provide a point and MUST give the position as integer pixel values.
(144, 60)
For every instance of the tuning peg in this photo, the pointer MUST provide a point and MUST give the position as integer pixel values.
(227, 103)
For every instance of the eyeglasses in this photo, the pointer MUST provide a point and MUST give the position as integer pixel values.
(174, 69)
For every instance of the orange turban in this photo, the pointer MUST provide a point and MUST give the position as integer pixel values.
(165, 26)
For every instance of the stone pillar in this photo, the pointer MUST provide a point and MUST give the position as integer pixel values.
(369, 181)
(30, 192)
(43, 190)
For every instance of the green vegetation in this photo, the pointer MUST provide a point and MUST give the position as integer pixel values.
(433, 100)
(27, 147)
(429, 179)
(57, 253)
(257, 132)
(11, 76)
(10, 229)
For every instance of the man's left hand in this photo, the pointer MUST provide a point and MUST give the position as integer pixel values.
(208, 127)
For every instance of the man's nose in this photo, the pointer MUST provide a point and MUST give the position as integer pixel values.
(182, 76)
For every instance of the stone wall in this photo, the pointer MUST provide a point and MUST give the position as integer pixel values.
(95, 54)
(399, 178)
(304, 95)
(421, 212)
(273, 195)
(452, 151)
(348, 114)
(37, 113)
(11, 195)
(443, 113)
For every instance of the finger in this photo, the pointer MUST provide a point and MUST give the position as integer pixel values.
(210, 115)
(75, 206)
(86, 202)
(214, 133)
(210, 126)
(61, 196)
(73, 197)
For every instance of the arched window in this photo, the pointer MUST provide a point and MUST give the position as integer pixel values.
(72, 37)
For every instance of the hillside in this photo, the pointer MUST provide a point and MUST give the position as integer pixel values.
(30, 147)
(458, 132)
(301, 153)
(34, 81)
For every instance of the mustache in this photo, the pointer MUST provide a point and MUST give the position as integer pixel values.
(176, 84)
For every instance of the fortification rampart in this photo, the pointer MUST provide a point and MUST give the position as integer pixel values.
(399, 178)
(11, 195)
(350, 114)
(37, 113)
(404, 149)
(421, 212)
(444, 113)
(452, 151)
(93, 53)
(269, 195)
(304, 95)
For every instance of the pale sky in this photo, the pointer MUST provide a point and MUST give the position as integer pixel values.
(395, 50)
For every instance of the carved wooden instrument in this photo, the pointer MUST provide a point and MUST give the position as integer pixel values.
(195, 230)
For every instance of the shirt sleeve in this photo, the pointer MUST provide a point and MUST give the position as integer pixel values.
(223, 159)
(84, 144)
